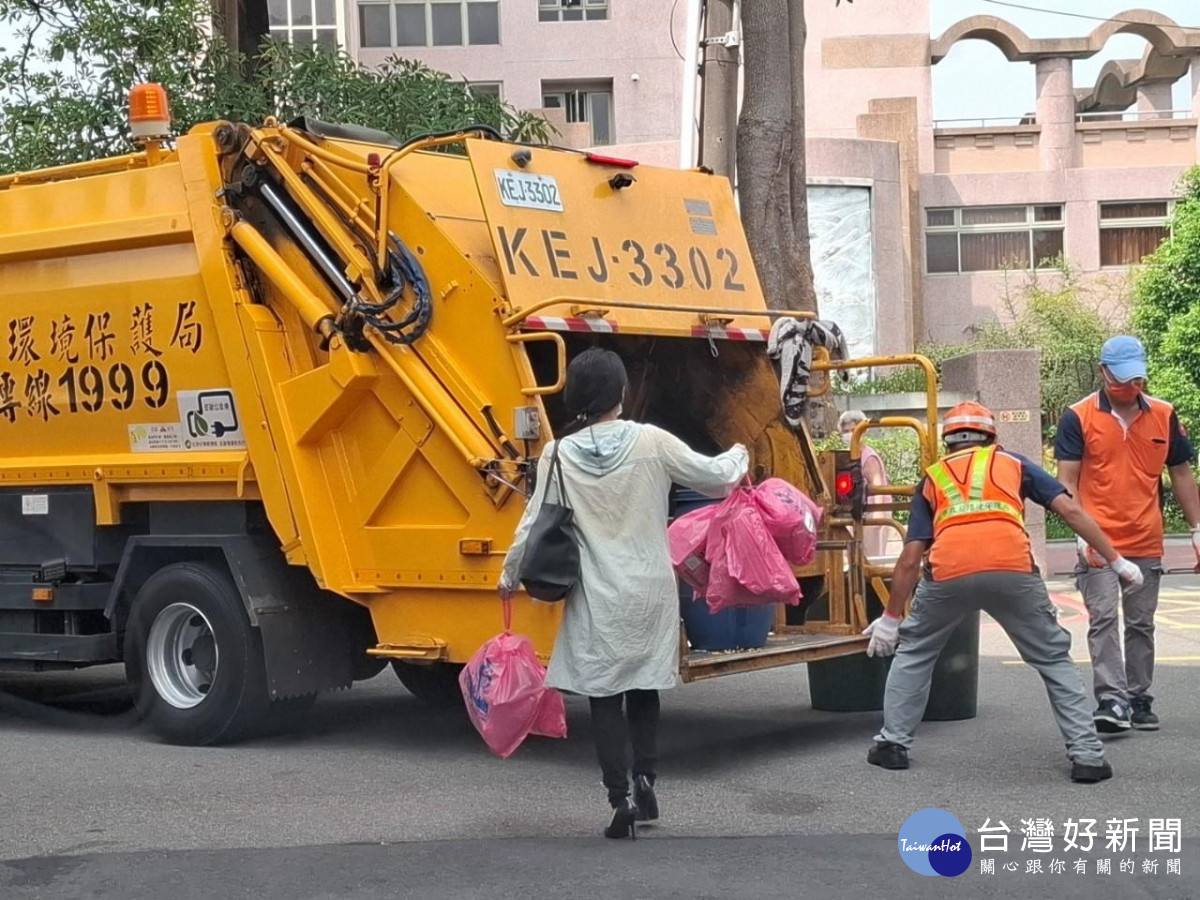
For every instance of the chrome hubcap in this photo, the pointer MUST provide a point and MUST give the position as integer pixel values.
(181, 654)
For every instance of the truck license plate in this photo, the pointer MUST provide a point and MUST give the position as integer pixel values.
(528, 190)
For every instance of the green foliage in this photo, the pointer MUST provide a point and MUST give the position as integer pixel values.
(65, 79)
(1174, 522)
(1068, 325)
(1064, 320)
(1167, 307)
(902, 380)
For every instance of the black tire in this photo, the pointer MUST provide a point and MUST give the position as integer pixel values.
(434, 685)
(233, 698)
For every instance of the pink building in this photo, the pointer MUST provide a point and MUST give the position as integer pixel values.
(918, 229)
(1090, 174)
(605, 71)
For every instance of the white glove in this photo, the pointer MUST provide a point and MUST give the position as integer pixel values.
(1128, 572)
(885, 635)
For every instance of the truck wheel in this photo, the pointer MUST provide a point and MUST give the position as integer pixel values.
(434, 685)
(193, 659)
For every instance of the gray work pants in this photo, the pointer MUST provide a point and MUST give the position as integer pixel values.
(1020, 604)
(1117, 676)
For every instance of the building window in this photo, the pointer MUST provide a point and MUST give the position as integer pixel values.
(1131, 231)
(428, 23)
(590, 103)
(571, 10)
(991, 238)
(305, 23)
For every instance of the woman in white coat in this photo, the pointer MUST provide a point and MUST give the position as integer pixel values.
(619, 640)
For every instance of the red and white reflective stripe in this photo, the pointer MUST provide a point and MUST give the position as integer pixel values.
(607, 326)
(555, 323)
(728, 334)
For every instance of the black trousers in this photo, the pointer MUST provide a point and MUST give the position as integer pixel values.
(614, 737)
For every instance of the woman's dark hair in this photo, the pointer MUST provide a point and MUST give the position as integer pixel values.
(596, 381)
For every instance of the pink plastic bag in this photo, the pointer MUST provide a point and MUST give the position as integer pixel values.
(748, 568)
(505, 690)
(791, 518)
(688, 537)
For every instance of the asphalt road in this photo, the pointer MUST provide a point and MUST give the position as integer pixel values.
(762, 796)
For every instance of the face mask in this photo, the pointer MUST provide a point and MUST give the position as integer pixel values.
(1122, 392)
(846, 436)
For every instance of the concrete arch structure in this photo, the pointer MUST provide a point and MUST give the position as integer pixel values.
(1162, 33)
(1167, 58)
(1118, 83)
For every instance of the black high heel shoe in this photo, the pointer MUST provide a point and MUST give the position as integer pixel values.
(644, 799)
(624, 822)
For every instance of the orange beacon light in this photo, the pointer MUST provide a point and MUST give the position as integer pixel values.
(149, 112)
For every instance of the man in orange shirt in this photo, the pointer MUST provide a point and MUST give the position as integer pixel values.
(1112, 448)
(968, 515)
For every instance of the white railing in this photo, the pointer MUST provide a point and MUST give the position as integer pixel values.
(1135, 115)
(997, 122)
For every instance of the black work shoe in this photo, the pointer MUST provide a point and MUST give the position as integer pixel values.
(887, 755)
(644, 799)
(1112, 717)
(623, 821)
(1082, 774)
(1143, 718)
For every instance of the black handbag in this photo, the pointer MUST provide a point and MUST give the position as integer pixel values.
(550, 567)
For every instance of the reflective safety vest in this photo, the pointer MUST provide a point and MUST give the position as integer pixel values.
(976, 485)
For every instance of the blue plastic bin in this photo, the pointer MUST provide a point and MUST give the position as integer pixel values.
(743, 628)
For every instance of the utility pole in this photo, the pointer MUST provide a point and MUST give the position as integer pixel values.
(719, 77)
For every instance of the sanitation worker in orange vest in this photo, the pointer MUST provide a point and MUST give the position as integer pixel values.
(967, 522)
(1112, 448)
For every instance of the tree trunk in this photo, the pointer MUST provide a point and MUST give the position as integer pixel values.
(244, 24)
(805, 295)
(770, 144)
(764, 150)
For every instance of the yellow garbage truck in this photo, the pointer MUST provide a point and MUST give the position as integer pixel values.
(269, 399)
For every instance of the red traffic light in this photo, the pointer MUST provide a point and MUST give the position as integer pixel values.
(844, 484)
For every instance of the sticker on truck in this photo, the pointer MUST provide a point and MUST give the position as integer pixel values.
(209, 420)
(35, 505)
(155, 437)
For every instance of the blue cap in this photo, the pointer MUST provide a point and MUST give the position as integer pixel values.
(1124, 357)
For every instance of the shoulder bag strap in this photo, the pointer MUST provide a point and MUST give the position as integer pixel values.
(557, 473)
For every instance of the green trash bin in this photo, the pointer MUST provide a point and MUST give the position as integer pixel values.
(856, 683)
(848, 683)
(955, 691)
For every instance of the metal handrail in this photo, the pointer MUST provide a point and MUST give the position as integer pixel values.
(560, 346)
(1136, 115)
(997, 122)
(907, 359)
